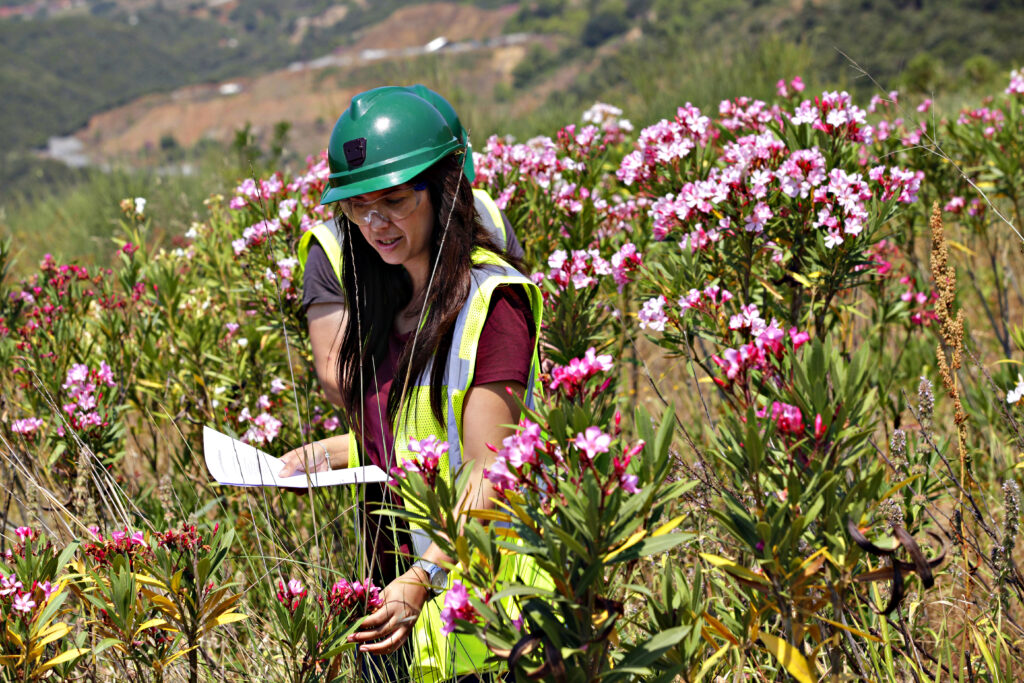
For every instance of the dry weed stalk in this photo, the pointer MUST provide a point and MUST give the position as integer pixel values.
(951, 330)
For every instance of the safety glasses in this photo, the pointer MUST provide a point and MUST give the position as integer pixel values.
(393, 206)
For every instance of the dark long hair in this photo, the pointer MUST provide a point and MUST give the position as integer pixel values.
(376, 292)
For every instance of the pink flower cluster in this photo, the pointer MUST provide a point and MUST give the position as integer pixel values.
(652, 314)
(990, 120)
(26, 426)
(795, 86)
(919, 302)
(519, 465)
(506, 161)
(708, 301)
(283, 273)
(84, 389)
(426, 460)
(787, 418)
(835, 114)
(356, 598)
(290, 594)
(744, 112)
(517, 451)
(132, 545)
(768, 343)
(255, 235)
(1016, 86)
(897, 183)
(570, 379)
(263, 428)
(583, 268)
(609, 119)
(456, 606)
(664, 144)
(24, 601)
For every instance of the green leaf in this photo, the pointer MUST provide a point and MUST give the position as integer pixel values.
(651, 546)
(645, 654)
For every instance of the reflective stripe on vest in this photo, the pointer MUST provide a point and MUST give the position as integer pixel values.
(416, 420)
(490, 216)
(437, 657)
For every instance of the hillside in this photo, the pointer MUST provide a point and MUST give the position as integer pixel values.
(307, 95)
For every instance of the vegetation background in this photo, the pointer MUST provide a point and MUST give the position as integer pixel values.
(63, 64)
(841, 495)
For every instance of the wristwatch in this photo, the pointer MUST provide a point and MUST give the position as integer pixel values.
(436, 576)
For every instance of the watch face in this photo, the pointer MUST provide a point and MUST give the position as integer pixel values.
(438, 578)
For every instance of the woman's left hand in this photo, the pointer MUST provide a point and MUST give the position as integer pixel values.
(403, 600)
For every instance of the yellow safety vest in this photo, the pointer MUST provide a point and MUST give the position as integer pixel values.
(437, 657)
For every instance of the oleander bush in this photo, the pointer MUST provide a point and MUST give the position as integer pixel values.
(777, 430)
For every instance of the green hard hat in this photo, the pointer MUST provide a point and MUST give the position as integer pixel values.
(448, 112)
(386, 137)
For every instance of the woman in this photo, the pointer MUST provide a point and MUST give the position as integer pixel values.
(439, 329)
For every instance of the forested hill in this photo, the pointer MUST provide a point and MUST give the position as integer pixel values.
(57, 70)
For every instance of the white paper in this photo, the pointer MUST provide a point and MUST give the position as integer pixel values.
(235, 463)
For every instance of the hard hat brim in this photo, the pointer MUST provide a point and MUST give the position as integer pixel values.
(372, 180)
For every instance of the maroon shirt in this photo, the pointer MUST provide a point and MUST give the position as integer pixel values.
(503, 355)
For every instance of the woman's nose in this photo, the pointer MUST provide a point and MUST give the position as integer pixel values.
(375, 219)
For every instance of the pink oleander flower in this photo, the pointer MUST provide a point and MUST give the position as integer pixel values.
(9, 585)
(787, 418)
(362, 595)
(290, 594)
(426, 459)
(499, 475)
(28, 425)
(456, 606)
(798, 338)
(628, 482)
(592, 442)
(24, 603)
(265, 428)
(1016, 86)
(570, 378)
(652, 315)
(819, 427)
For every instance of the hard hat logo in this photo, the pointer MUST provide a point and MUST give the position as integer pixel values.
(355, 152)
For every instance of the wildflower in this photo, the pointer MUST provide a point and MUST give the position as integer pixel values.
(265, 428)
(1015, 394)
(456, 606)
(652, 315)
(24, 603)
(140, 206)
(26, 425)
(592, 442)
(499, 475)
(25, 533)
(628, 482)
(820, 428)
(426, 459)
(1016, 86)
(9, 585)
(290, 594)
(277, 386)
